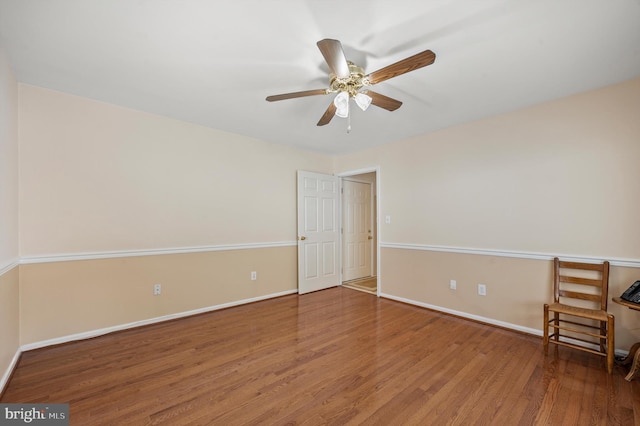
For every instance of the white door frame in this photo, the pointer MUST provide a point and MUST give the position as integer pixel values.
(349, 173)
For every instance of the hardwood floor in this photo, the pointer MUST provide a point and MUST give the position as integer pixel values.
(369, 285)
(337, 356)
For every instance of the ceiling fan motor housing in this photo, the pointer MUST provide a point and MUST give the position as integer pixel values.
(351, 84)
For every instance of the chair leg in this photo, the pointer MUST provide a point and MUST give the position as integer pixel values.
(556, 322)
(610, 342)
(545, 330)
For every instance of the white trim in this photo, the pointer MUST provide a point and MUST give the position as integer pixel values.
(102, 331)
(465, 315)
(359, 171)
(7, 374)
(149, 252)
(9, 266)
(629, 263)
(481, 319)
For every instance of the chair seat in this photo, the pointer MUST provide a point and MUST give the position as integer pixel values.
(594, 314)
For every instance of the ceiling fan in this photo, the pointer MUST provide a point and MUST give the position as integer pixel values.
(348, 80)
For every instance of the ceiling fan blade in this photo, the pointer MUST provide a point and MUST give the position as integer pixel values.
(401, 67)
(296, 95)
(334, 56)
(383, 101)
(328, 115)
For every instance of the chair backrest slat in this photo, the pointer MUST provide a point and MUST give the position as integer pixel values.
(581, 281)
(567, 286)
(581, 296)
(583, 266)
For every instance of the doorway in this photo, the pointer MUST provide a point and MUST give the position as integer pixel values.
(321, 255)
(359, 230)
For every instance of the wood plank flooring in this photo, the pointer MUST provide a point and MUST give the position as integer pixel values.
(334, 357)
(370, 285)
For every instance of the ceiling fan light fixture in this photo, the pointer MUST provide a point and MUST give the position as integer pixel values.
(362, 100)
(341, 101)
(348, 80)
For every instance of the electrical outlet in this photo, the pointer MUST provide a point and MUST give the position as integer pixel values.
(387, 219)
(254, 275)
(452, 284)
(157, 289)
(482, 290)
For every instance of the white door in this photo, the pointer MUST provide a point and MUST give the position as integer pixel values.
(318, 231)
(357, 235)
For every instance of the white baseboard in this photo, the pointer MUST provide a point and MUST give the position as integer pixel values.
(107, 330)
(479, 318)
(7, 374)
(465, 315)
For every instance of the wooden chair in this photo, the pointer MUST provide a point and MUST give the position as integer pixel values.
(579, 308)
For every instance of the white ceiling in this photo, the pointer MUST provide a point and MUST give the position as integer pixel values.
(214, 62)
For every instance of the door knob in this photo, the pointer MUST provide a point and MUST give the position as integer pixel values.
(303, 238)
(370, 237)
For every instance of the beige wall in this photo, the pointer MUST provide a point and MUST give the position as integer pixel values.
(68, 298)
(97, 179)
(8, 164)
(516, 288)
(9, 322)
(9, 273)
(561, 177)
(557, 178)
